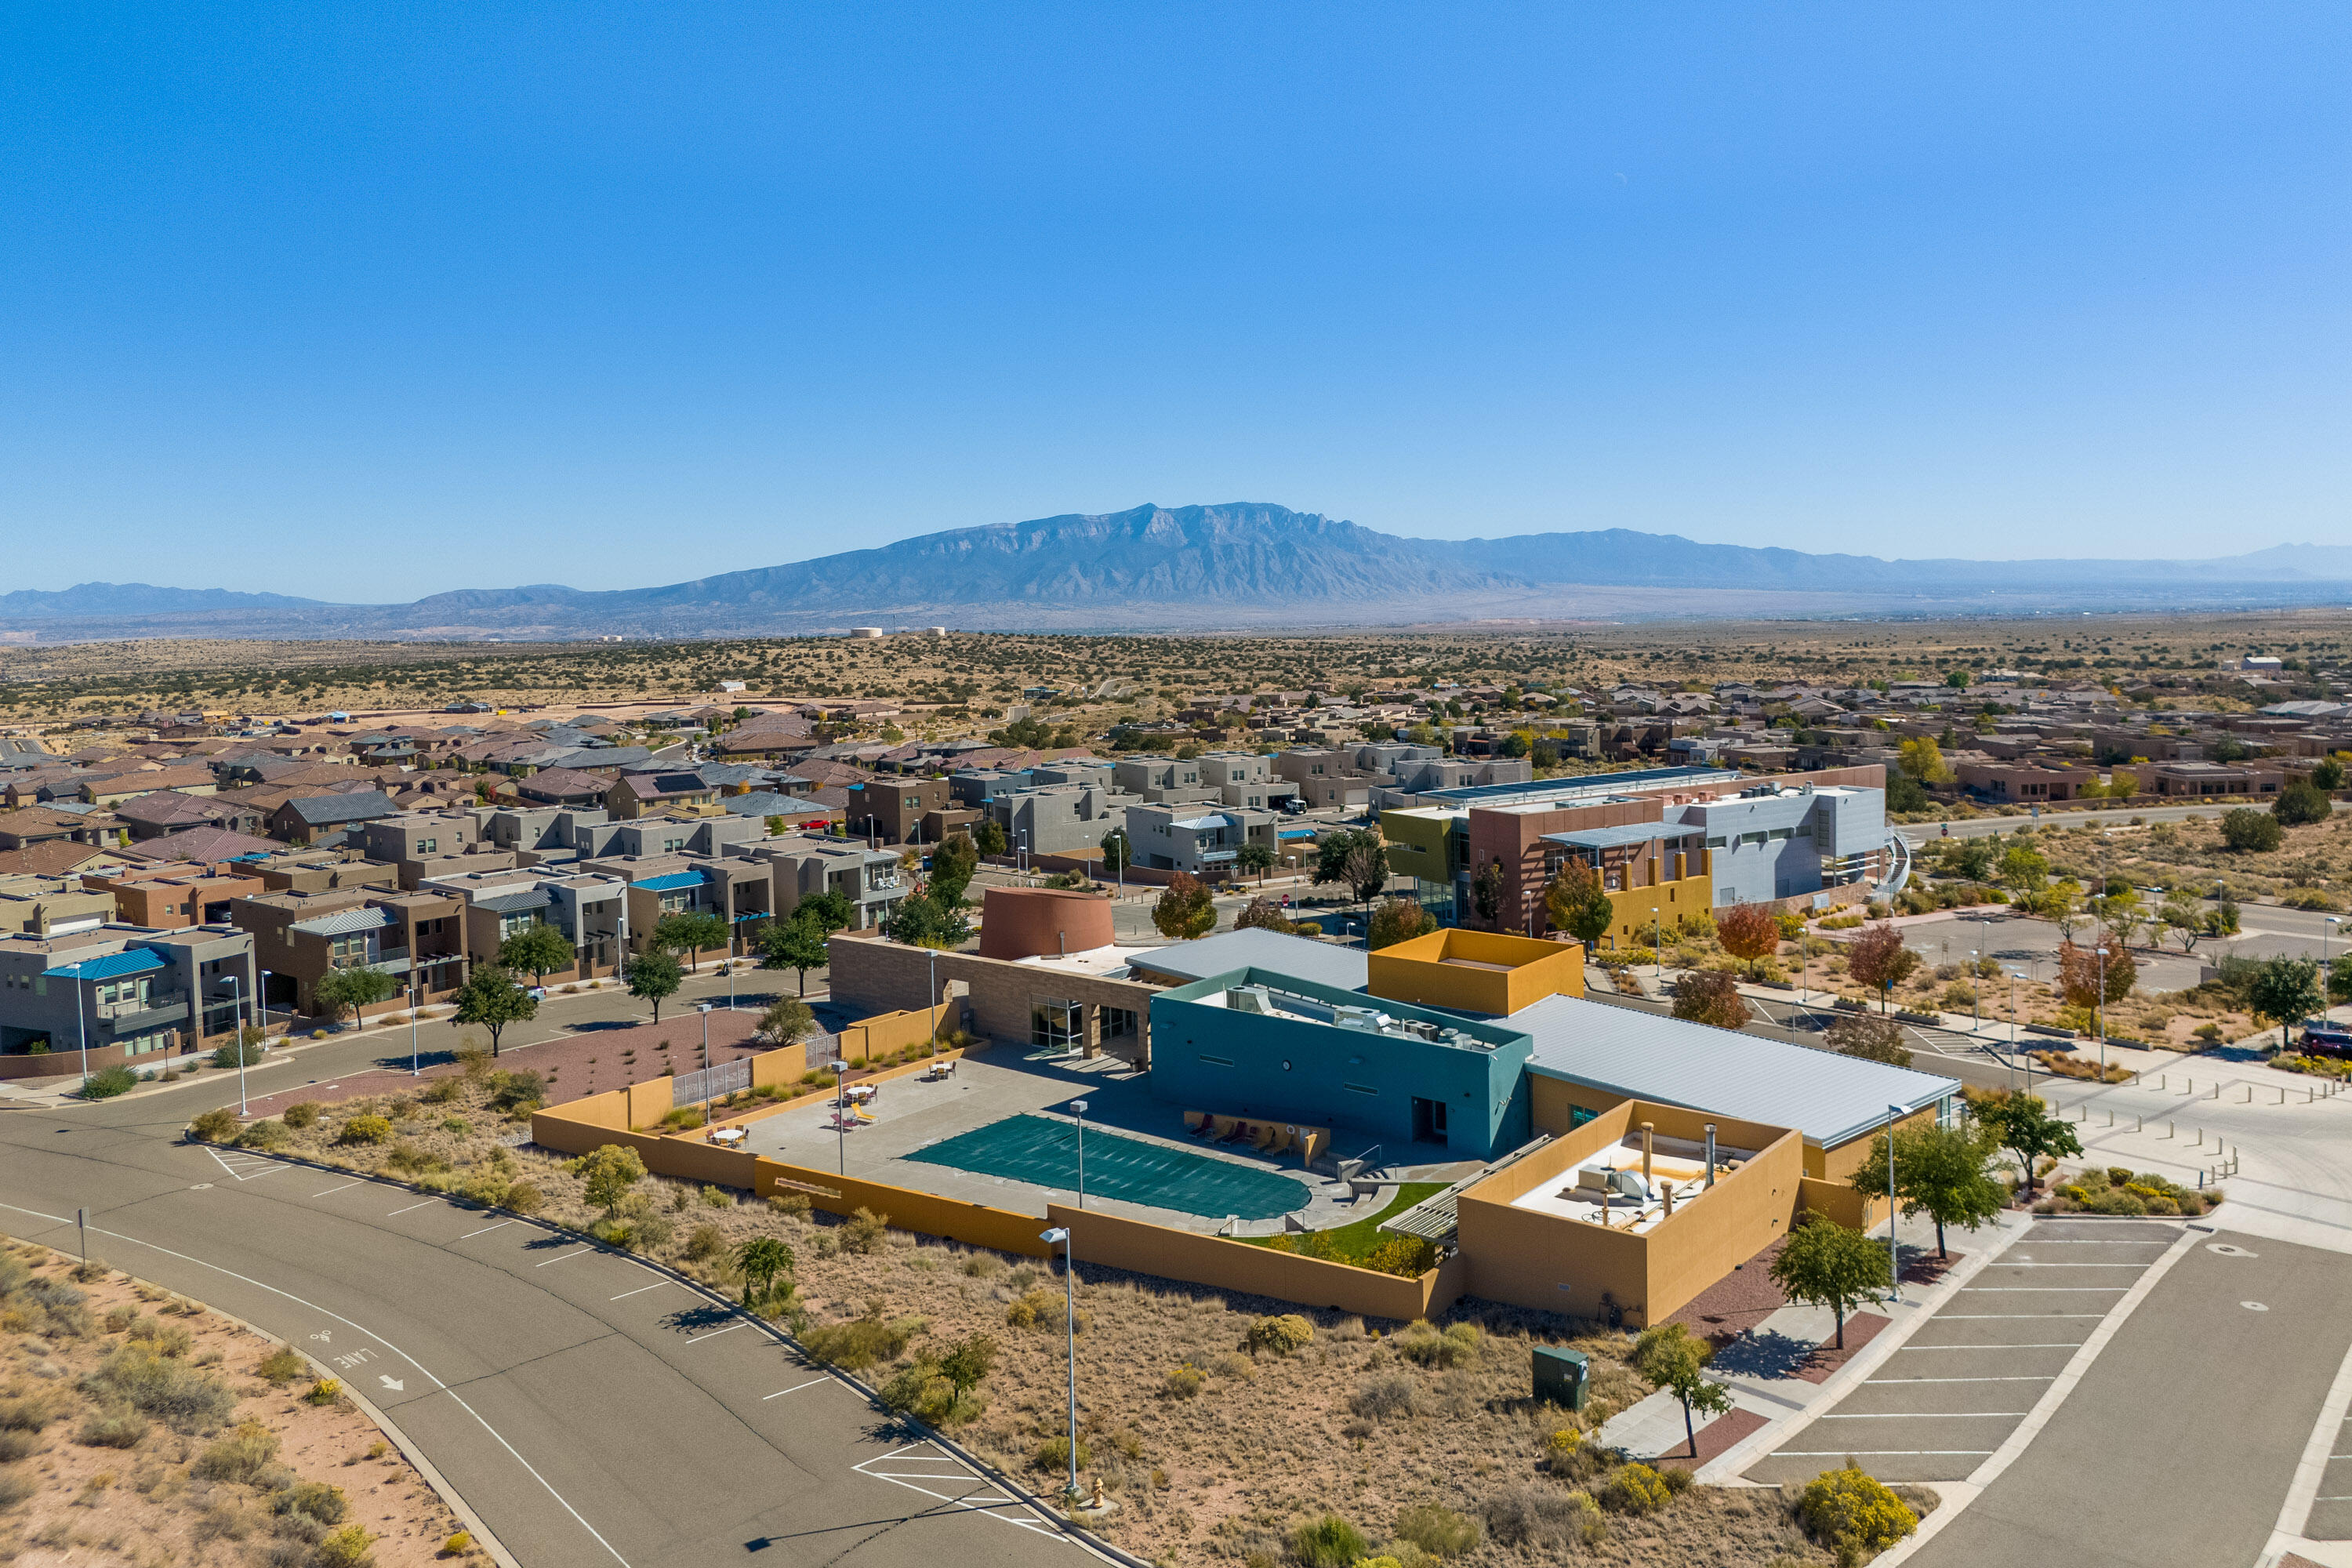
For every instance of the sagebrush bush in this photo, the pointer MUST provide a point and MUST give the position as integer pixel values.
(365, 1130)
(1636, 1489)
(301, 1114)
(1054, 1454)
(283, 1365)
(524, 1197)
(217, 1125)
(346, 1548)
(1184, 1382)
(266, 1133)
(1543, 1518)
(313, 1501)
(861, 1341)
(866, 1231)
(242, 1456)
(118, 1429)
(108, 1082)
(1437, 1529)
(1286, 1334)
(1850, 1512)
(1419, 1342)
(706, 1242)
(1388, 1396)
(183, 1397)
(442, 1090)
(1329, 1542)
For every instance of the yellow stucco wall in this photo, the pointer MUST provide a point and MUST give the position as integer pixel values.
(1416, 841)
(1450, 969)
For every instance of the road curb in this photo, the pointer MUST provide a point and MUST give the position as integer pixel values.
(482, 1534)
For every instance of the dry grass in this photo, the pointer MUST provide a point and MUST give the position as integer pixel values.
(104, 1484)
(1213, 1466)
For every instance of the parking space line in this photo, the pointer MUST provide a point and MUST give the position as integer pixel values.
(346, 1187)
(2008, 1317)
(486, 1230)
(2046, 1377)
(582, 1252)
(795, 1388)
(1921, 1415)
(2053, 1345)
(426, 1203)
(698, 1339)
(1883, 1453)
(2070, 1265)
(2041, 1290)
(638, 1292)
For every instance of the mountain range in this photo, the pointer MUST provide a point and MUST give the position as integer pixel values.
(1242, 565)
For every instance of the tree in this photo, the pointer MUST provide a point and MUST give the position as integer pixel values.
(2250, 832)
(341, 991)
(2183, 918)
(1365, 868)
(2022, 1125)
(1486, 892)
(2024, 870)
(832, 911)
(492, 998)
(1971, 858)
(953, 864)
(1830, 1266)
(1878, 959)
(689, 932)
(1923, 758)
(762, 1259)
(654, 976)
(787, 1021)
(1873, 1038)
(609, 1171)
(2283, 991)
(969, 1363)
(1117, 853)
(1255, 858)
(1575, 903)
(1338, 857)
(1184, 911)
(1397, 919)
(1939, 1172)
(924, 921)
(2080, 976)
(2327, 773)
(1669, 1357)
(1749, 931)
(1263, 913)
(2302, 802)
(538, 947)
(1710, 996)
(796, 944)
(1906, 794)
(988, 836)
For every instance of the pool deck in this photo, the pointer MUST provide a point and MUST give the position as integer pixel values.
(910, 1114)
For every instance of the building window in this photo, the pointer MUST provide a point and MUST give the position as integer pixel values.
(1118, 1022)
(428, 846)
(1058, 1026)
(1577, 1116)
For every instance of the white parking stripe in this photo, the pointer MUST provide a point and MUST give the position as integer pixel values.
(413, 1207)
(346, 1187)
(795, 1388)
(698, 1339)
(638, 1292)
(1922, 1415)
(1900, 1453)
(2046, 1377)
(486, 1230)
(581, 1253)
(2053, 1345)
(2039, 1289)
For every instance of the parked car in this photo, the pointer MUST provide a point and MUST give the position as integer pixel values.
(2326, 1038)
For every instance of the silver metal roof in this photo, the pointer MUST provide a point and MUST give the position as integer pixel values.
(1831, 1099)
(1626, 833)
(344, 922)
(1300, 956)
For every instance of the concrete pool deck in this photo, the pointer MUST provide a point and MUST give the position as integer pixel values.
(910, 1114)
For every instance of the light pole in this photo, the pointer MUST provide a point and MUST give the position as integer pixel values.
(81, 1027)
(1894, 1256)
(1079, 1108)
(840, 1128)
(2099, 1011)
(1061, 1235)
(235, 1033)
(704, 1008)
(1976, 996)
(2326, 967)
(414, 996)
(2015, 976)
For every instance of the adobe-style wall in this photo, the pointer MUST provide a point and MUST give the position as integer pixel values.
(1030, 922)
(1213, 1261)
(877, 976)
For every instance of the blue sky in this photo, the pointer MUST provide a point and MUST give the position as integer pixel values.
(371, 303)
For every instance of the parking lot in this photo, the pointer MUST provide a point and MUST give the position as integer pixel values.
(1944, 1403)
(2331, 1511)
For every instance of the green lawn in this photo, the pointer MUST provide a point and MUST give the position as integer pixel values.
(1356, 1239)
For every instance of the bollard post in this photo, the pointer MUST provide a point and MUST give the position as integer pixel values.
(2169, 1130)
(2138, 1123)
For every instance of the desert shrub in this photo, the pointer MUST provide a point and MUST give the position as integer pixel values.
(164, 1339)
(301, 1114)
(326, 1391)
(442, 1090)
(365, 1130)
(2113, 1202)
(183, 1397)
(108, 1082)
(1540, 1518)
(1184, 1382)
(266, 1133)
(928, 1395)
(314, 1501)
(792, 1206)
(118, 1429)
(16, 1445)
(866, 1231)
(706, 1242)
(1419, 1342)
(1284, 1335)
(1042, 1308)
(346, 1548)
(1386, 1396)
(1054, 1454)
(29, 1413)
(15, 1486)
(408, 1159)
(1437, 1529)
(1851, 1513)
(1637, 1489)
(283, 1365)
(524, 1197)
(860, 1342)
(462, 1541)
(1329, 1542)
(1410, 1256)
(217, 1125)
(983, 1266)
(684, 1119)
(716, 1198)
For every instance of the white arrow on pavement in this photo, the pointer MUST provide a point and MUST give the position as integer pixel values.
(393, 1384)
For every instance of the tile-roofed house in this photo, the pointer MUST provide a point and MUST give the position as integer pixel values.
(304, 820)
(58, 858)
(159, 811)
(207, 844)
(633, 794)
(122, 786)
(41, 823)
(564, 787)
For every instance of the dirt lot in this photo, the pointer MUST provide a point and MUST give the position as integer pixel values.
(136, 1426)
(1216, 1463)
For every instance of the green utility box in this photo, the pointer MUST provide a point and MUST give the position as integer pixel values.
(1561, 1375)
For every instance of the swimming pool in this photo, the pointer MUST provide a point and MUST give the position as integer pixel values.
(1045, 1152)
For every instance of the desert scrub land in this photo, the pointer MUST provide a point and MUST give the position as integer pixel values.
(136, 1426)
(1218, 1425)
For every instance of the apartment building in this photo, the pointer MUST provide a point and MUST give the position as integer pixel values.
(51, 906)
(806, 867)
(1186, 838)
(1155, 779)
(173, 897)
(2195, 780)
(300, 938)
(588, 909)
(311, 817)
(2021, 783)
(1057, 819)
(646, 836)
(635, 794)
(126, 995)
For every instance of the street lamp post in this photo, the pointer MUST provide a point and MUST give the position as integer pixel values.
(2099, 1012)
(1894, 1256)
(81, 1027)
(415, 997)
(1060, 1234)
(704, 1008)
(1078, 1107)
(1976, 996)
(236, 1032)
(2015, 976)
(840, 1128)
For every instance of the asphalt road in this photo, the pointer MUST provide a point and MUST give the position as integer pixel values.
(566, 1393)
(2179, 1444)
(1980, 827)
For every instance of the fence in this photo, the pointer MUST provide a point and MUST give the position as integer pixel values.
(710, 1082)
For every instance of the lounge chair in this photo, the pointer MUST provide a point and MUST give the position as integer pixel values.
(1240, 1130)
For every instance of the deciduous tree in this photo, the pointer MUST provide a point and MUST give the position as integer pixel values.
(492, 998)
(1710, 996)
(1749, 931)
(689, 932)
(1669, 1357)
(538, 947)
(2022, 1125)
(1831, 1265)
(341, 991)
(1939, 1172)
(2250, 832)
(1575, 903)
(1397, 919)
(1872, 1037)
(1878, 959)
(608, 1172)
(1184, 911)
(953, 864)
(2080, 976)
(2284, 991)
(797, 944)
(654, 976)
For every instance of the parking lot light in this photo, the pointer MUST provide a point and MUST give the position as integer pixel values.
(1060, 1236)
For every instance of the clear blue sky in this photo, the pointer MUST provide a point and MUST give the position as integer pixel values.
(367, 302)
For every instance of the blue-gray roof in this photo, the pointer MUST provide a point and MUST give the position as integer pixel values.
(344, 922)
(354, 805)
(1831, 1099)
(1624, 834)
(1587, 785)
(516, 902)
(113, 966)
(1272, 950)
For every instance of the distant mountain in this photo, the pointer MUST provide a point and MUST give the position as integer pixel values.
(133, 599)
(1236, 565)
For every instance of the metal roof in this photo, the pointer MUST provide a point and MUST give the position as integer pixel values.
(130, 961)
(517, 901)
(1302, 957)
(1575, 788)
(1831, 1099)
(1624, 834)
(350, 806)
(344, 922)
(670, 881)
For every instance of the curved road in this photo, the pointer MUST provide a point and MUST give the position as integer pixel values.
(567, 1393)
